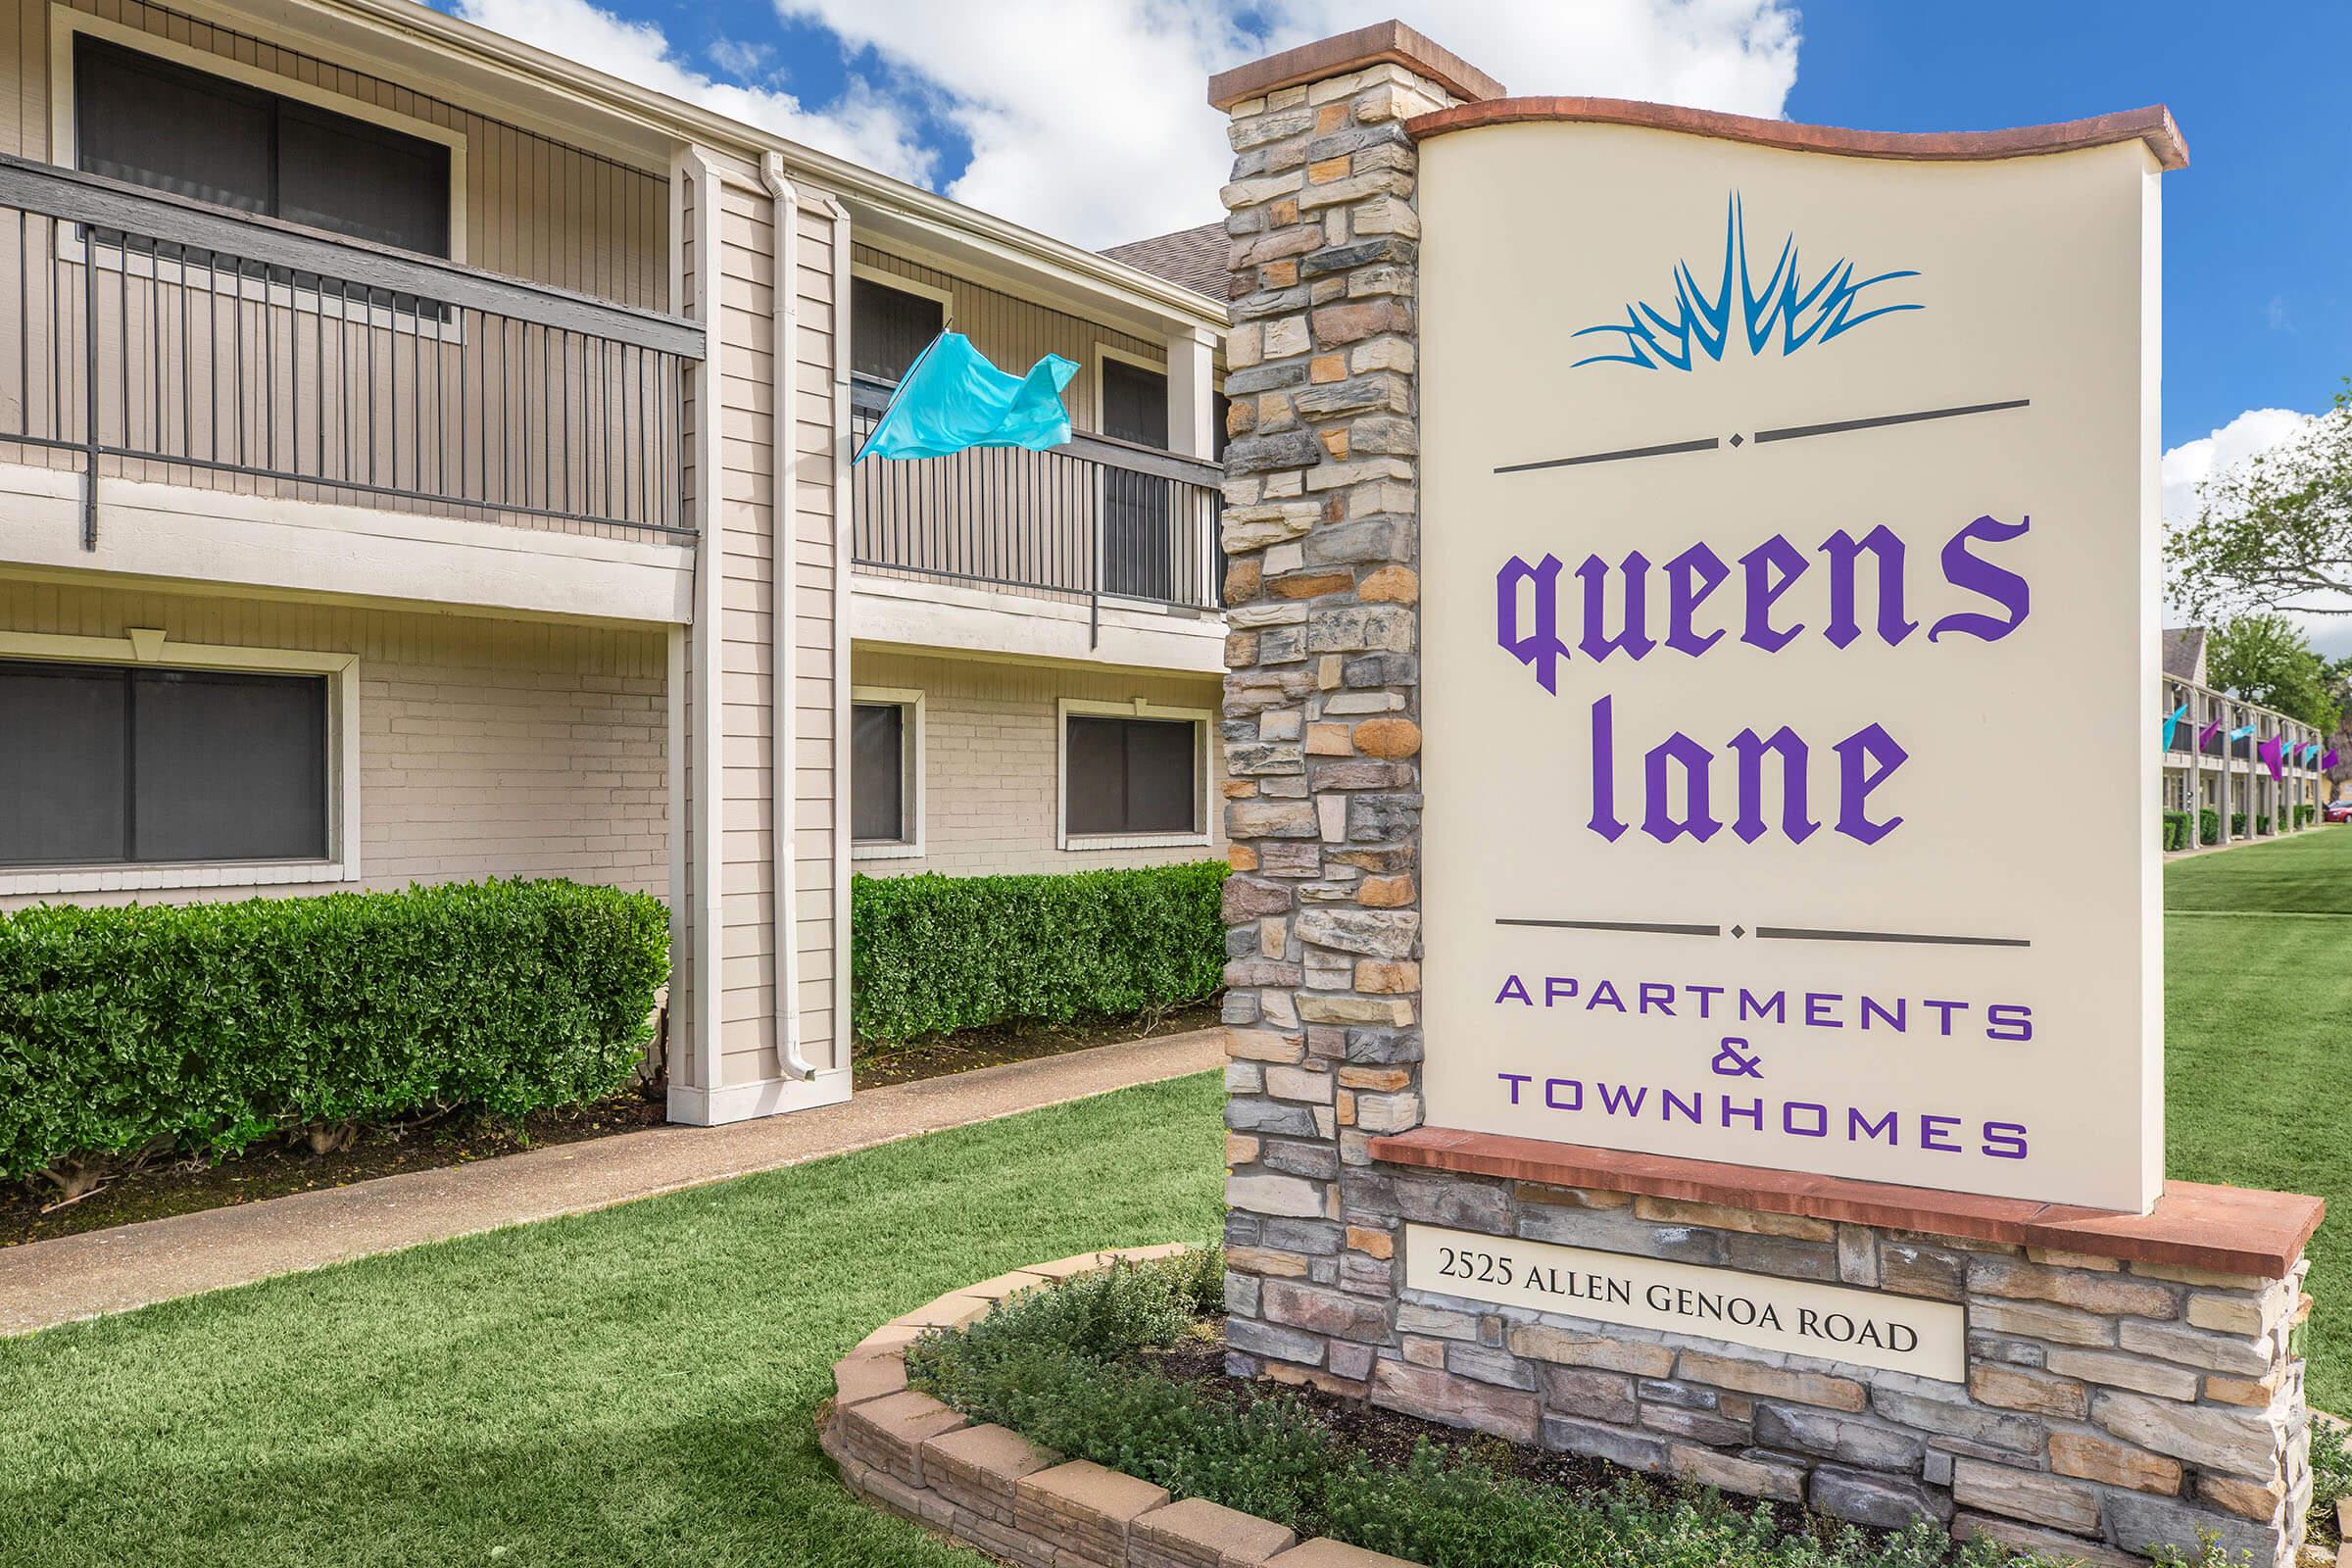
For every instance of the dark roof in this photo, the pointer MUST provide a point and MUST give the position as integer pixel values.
(2184, 653)
(1193, 258)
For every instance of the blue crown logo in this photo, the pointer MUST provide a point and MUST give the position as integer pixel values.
(1782, 311)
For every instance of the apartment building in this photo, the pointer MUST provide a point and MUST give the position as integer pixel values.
(422, 458)
(2214, 751)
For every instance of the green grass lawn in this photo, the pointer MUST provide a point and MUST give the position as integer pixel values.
(636, 1387)
(2258, 1046)
(632, 1387)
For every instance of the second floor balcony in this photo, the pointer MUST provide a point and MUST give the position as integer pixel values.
(148, 337)
(1097, 521)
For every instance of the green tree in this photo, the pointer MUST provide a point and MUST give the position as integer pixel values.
(2274, 532)
(2266, 658)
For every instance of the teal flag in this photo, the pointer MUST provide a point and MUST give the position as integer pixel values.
(2172, 724)
(953, 399)
(2241, 732)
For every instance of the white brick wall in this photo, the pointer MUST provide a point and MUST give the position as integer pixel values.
(486, 746)
(989, 761)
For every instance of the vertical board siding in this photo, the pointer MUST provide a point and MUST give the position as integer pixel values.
(535, 209)
(487, 748)
(1015, 334)
(344, 378)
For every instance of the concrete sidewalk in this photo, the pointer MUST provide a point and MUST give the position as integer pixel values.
(45, 1282)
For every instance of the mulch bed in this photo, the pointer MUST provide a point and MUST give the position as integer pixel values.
(184, 1186)
(875, 1066)
(170, 1187)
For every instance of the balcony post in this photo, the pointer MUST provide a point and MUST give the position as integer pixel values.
(1192, 394)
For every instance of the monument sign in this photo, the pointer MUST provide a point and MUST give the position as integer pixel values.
(1797, 513)
(1690, 737)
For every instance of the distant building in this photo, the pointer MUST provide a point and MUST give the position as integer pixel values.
(2214, 760)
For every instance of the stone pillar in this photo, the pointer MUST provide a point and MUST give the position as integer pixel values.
(1322, 698)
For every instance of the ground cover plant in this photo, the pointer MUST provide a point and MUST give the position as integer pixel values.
(1068, 1367)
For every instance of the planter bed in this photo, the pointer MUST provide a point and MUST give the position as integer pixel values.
(1373, 1476)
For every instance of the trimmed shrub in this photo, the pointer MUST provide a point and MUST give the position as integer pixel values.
(933, 953)
(2238, 824)
(2209, 825)
(2306, 814)
(2262, 824)
(206, 1027)
(2175, 830)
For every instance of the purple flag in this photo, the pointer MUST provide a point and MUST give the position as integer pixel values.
(2330, 759)
(2205, 736)
(2271, 752)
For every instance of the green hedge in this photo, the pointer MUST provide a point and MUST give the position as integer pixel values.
(206, 1027)
(2306, 814)
(2209, 825)
(2262, 824)
(2175, 830)
(931, 953)
(2238, 824)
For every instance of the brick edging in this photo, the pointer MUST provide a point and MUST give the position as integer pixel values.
(988, 1488)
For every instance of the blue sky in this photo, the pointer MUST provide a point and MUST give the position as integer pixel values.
(1085, 119)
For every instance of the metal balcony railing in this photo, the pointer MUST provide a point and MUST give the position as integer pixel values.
(161, 339)
(1097, 519)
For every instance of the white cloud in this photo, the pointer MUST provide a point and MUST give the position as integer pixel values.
(863, 125)
(738, 58)
(2191, 464)
(1087, 122)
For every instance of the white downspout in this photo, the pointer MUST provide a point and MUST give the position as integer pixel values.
(844, 549)
(783, 570)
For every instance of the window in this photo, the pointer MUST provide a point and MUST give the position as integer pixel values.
(1135, 403)
(886, 744)
(113, 766)
(170, 127)
(1127, 776)
(889, 329)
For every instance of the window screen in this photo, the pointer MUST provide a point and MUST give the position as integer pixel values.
(1132, 775)
(104, 765)
(878, 773)
(1135, 404)
(158, 123)
(888, 328)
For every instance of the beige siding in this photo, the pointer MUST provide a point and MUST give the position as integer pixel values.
(487, 748)
(746, 563)
(535, 209)
(989, 749)
(1015, 334)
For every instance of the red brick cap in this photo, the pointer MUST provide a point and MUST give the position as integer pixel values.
(1382, 43)
(2229, 1230)
(2152, 125)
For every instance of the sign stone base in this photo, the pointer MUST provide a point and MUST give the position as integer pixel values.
(2120, 1381)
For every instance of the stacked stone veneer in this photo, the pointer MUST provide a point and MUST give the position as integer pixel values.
(2107, 1405)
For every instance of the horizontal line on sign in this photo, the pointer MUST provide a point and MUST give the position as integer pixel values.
(1796, 432)
(1790, 933)
(1706, 444)
(1657, 927)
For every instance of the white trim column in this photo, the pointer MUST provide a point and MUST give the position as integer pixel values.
(1192, 394)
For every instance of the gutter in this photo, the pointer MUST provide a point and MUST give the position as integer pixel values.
(784, 659)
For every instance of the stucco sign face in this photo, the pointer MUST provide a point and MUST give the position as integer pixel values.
(1790, 631)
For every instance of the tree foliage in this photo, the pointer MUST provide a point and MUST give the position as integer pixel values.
(2274, 532)
(2266, 658)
